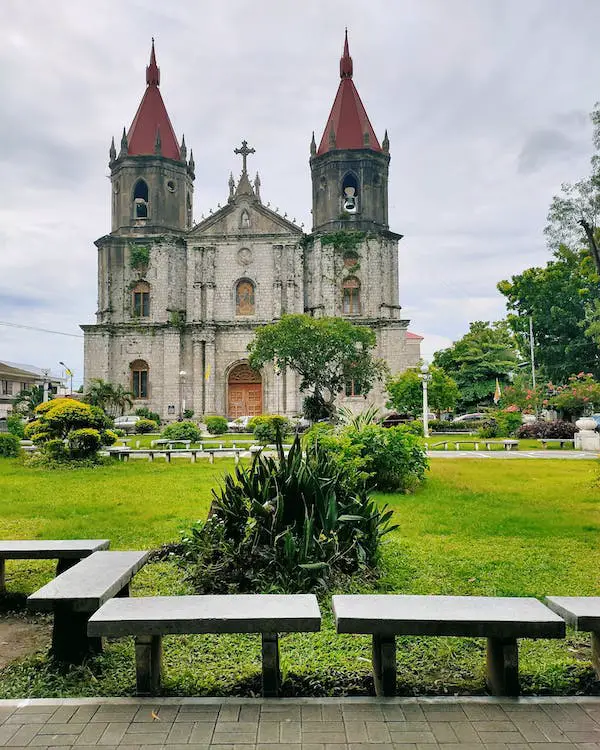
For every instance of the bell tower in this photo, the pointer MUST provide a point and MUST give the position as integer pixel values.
(350, 167)
(151, 177)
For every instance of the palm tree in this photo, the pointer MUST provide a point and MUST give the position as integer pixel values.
(112, 399)
(27, 400)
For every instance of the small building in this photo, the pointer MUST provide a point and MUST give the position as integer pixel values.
(15, 378)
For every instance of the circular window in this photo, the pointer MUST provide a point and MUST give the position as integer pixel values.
(171, 186)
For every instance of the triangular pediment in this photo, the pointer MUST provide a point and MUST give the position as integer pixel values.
(245, 216)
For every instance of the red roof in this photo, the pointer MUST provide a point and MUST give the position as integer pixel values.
(348, 120)
(152, 118)
(410, 335)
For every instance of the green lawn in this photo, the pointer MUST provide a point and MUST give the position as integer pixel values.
(498, 528)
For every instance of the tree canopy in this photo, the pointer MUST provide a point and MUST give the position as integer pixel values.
(406, 391)
(486, 353)
(326, 353)
(112, 399)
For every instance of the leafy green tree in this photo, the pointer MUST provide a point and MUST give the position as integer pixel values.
(326, 353)
(561, 298)
(26, 402)
(112, 399)
(406, 391)
(486, 353)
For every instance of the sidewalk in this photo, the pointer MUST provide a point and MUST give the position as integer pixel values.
(477, 723)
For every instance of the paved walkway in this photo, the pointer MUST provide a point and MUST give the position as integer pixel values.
(554, 453)
(309, 724)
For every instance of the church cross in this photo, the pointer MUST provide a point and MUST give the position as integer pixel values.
(244, 151)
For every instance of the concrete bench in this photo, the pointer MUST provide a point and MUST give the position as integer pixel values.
(560, 441)
(582, 613)
(508, 445)
(78, 592)
(149, 618)
(170, 443)
(124, 454)
(499, 619)
(68, 552)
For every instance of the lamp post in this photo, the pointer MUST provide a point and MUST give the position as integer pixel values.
(425, 378)
(182, 374)
(68, 372)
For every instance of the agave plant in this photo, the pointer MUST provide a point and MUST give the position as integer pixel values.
(371, 415)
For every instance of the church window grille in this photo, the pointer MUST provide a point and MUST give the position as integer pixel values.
(139, 379)
(141, 300)
(353, 388)
(245, 298)
(351, 297)
(140, 200)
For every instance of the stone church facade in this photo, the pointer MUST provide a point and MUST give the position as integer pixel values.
(178, 301)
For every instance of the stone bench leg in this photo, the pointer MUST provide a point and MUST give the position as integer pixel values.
(64, 563)
(70, 641)
(211, 457)
(193, 454)
(148, 657)
(271, 674)
(2, 576)
(384, 664)
(237, 457)
(503, 666)
(596, 652)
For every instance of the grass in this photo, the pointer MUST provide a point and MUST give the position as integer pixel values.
(529, 444)
(496, 528)
(208, 441)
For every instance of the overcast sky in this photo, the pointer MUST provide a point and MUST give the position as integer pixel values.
(486, 104)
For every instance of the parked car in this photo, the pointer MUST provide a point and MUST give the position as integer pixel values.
(477, 417)
(127, 423)
(240, 424)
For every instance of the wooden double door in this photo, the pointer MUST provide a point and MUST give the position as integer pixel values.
(244, 393)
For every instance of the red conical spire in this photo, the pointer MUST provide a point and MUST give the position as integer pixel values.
(152, 118)
(346, 60)
(152, 71)
(348, 125)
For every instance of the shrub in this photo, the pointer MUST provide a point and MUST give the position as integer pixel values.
(108, 437)
(144, 411)
(10, 446)
(15, 425)
(488, 428)
(508, 422)
(56, 450)
(416, 427)
(84, 443)
(289, 523)
(188, 413)
(266, 427)
(143, 426)
(118, 432)
(216, 425)
(182, 431)
(541, 429)
(315, 408)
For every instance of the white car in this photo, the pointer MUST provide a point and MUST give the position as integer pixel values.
(127, 423)
(238, 425)
(477, 417)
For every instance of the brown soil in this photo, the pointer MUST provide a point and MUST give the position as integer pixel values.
(20, 637)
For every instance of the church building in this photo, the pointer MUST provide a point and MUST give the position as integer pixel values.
(179, 301)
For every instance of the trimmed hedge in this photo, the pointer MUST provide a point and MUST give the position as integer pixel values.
(10, 446)
(540, 429)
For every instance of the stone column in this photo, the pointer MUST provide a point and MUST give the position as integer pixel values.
(210, 375)
(197, 376)
(171, 367)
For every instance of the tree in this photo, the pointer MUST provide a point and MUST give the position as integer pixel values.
(484, 354)
(406, 391)
(112, 399)
(327, 353)
(26, 401)
(561, 298)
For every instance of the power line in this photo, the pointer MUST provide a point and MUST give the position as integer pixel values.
(43, 330)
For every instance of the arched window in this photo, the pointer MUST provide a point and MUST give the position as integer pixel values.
(351, 296)
(140, 299)
(140, 200)
(139, 378)
(350, 193)
(244, 298)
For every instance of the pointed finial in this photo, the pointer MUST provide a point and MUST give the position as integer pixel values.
(183, 149)
(313, 145)
(191, 164)
(112, 153)
(158, 143)
(124, 145)
(385, 145)
(152, 71)
(231, 186)
(257, 186)
(346, 60)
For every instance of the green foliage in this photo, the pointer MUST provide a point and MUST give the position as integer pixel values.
(55, 450)
(561, 298)
(84, 443)
(15, 425)
(343, 240)
(216, 425)
(316, 409)
(371, 415)
(325, 352)
(182, 431)
(488, 428)
(484, 354)
(139, 257)
(27, 400)
(188, 413)
(541, 429)
(508, 422)
(109, 437)
(406, 391)
(267, 428)
(10, 446)
(144, 411)
(290, 524)
(143, 426)
(113, 399)
(580, 394)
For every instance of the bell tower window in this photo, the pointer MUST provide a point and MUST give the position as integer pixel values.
(140, 200)
(141, 300)
(351, 297)
(350, 194)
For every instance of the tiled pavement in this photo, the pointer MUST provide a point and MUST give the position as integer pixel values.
(309, 724)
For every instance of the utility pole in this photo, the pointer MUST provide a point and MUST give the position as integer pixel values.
(531, 351)
(45, 373)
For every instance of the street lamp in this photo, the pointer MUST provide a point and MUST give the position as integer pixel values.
(425, 378)
(68, 372)
(182, 374)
